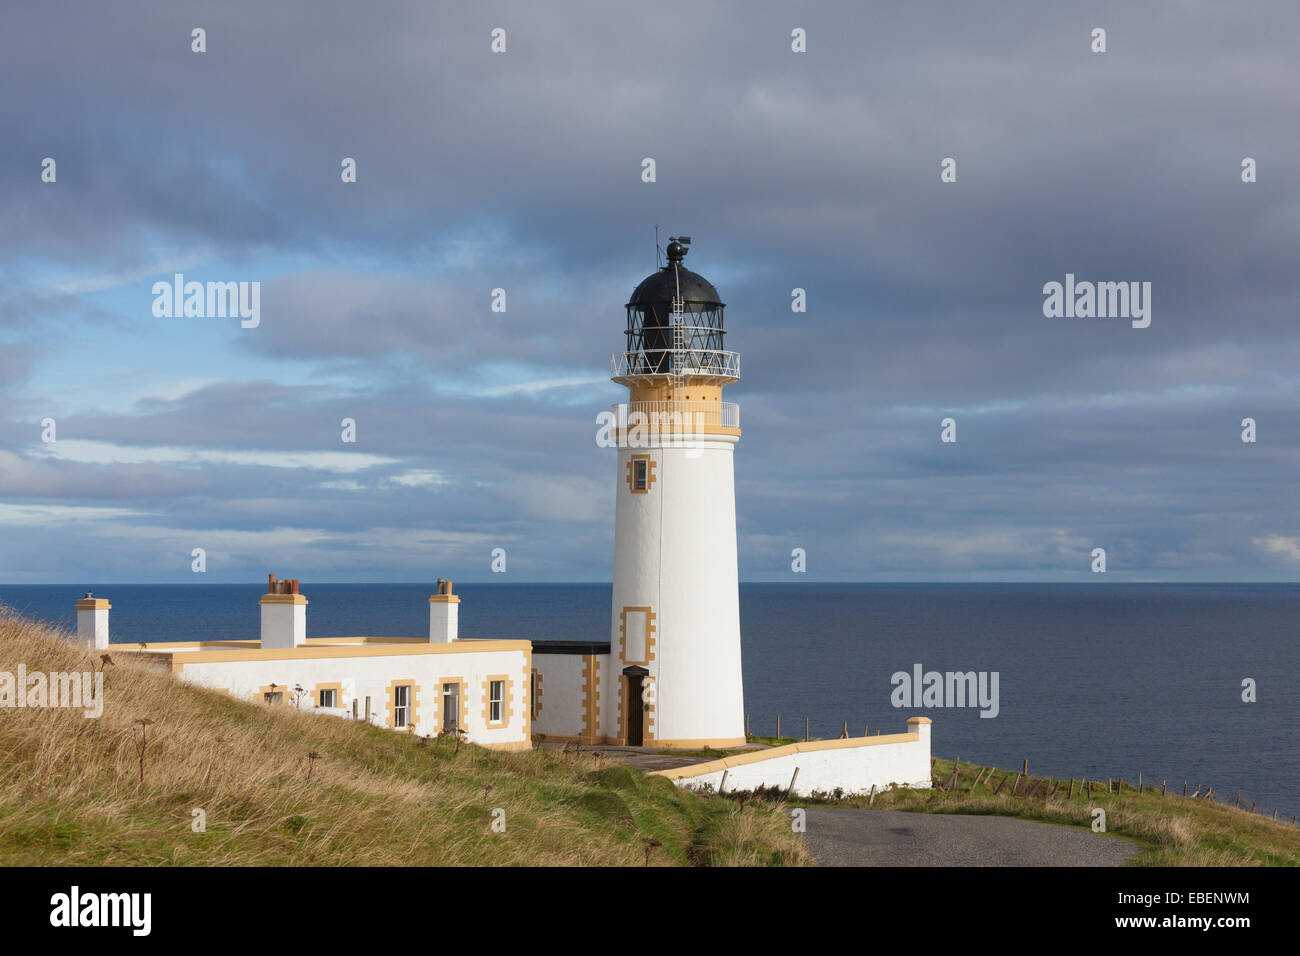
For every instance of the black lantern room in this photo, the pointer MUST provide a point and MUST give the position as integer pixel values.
(674, 321)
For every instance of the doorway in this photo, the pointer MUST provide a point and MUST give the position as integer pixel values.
(632, 677)
(450, 708)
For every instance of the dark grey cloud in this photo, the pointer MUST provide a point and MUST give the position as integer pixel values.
(817, 171)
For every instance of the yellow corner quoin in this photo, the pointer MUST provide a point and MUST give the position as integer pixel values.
(282, 599)
(94, 604)
(723, 763)
(590, 700)
(526, 695)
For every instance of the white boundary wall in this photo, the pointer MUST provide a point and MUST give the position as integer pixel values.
(854, 765)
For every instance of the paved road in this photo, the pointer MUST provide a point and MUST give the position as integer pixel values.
(898, 838)
(648, 758)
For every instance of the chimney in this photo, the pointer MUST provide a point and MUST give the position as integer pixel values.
(92, 622)
(443, 614)
(284, 614)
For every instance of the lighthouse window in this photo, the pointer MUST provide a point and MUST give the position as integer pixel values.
(640, 474)
(327, 698)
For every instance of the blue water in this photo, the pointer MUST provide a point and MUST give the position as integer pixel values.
(1097, 680)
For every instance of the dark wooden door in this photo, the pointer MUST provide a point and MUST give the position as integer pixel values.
(635, 712)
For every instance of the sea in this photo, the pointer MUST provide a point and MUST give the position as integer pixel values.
(1096, 680)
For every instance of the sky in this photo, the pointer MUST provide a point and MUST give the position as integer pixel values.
(522, 170)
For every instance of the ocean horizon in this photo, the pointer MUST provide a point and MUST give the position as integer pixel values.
(1107, 680)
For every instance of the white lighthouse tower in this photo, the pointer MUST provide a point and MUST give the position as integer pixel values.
(675, 629)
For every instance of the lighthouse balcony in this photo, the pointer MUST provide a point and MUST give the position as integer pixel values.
(677, 418)
(714, 366)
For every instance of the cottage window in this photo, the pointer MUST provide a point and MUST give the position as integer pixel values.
(496, 700)
(401, 705)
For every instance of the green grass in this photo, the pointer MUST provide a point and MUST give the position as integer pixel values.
(771, 741)
(1171, 830)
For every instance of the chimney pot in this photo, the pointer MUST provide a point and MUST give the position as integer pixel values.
(284, 623)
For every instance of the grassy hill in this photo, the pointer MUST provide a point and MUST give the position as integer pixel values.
(282, 787)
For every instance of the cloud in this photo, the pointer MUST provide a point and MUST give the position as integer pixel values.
(522, 172)
(1287, 546)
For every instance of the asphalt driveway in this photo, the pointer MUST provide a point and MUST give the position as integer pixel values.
(838, 837)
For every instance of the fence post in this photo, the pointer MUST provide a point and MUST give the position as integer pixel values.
(793, 777)
(778, 728)
(805, 729)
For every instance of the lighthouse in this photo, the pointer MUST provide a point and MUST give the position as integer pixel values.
(675, 670)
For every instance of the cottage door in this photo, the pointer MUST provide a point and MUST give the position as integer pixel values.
(450, 708)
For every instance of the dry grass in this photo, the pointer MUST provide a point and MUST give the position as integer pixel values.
(70, 789)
